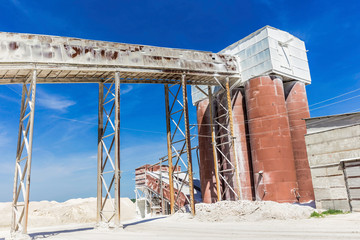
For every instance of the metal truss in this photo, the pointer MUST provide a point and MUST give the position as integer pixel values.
(20, 205)
(223, 143)
(152, 197)
(108, 176)
(179, 143)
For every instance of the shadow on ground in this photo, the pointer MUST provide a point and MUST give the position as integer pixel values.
(141, 221)
(40, 235)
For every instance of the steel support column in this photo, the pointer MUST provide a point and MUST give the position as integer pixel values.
(232, 136)
(188, 144)
(213, 143)
(179, 145)
(223, 143)
(21, 191)
(168, 138)
(100, 153)
(117, 148)
(109, 152)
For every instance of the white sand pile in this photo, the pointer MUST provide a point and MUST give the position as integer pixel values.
(47, 213)
(230, 211)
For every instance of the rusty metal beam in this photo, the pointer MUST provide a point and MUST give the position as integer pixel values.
(21, 51)
(213, 143)
(170, 155)
(188, 144)
(233, 148)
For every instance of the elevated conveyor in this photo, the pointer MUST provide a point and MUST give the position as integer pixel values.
(73, 60)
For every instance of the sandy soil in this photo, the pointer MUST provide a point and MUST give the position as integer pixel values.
(225, 220)
(45, 213)
(333, 227)
(234, 211)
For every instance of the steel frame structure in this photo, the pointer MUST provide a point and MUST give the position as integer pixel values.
(108, 175)
(179, 141)
(20, 209)
(225, 157)
(149, 195)
(32, 59)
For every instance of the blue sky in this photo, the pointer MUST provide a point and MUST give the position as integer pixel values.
(64, 154)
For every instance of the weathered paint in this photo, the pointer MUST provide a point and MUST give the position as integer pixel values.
(150, 181)
(206, 167)
(270, 140)
(20, 51)
(240, 135)
(298, 110)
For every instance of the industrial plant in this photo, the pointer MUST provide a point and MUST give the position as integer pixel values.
(254, 139)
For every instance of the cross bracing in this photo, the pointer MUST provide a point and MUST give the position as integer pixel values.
(34, 59)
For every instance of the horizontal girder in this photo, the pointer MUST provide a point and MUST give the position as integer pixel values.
(70, 60)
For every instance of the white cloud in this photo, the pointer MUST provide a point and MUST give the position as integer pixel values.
(20, 7)
(54, 102)
(4, 138)
(126, 90)
(10, 99)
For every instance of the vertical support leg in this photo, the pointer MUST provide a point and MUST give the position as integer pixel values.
(117, 149)
(20, 210)
(109, 153)
(168, 130)
(188, 145)
(233, 149)
(161, 189)
(100, 151)
(213, 141)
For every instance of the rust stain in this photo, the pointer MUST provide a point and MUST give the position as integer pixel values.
(158, 58)
(48, 55)
(112, 55)
(13, 45)
(77, 51)
(87, 49)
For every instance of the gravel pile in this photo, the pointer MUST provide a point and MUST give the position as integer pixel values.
(233, 211)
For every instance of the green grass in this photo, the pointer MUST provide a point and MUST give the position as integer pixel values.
(326, 213)
(316, 214)
(332, 212)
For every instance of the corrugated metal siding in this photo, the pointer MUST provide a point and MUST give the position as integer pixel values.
(270, 50)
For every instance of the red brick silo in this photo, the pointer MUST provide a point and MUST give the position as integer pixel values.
(298, 109)
(207, 172)
(238, 103)
(270, 140)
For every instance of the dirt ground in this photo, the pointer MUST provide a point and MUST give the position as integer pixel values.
(345, 226)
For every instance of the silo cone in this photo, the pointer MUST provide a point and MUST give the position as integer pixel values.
(270, 140)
